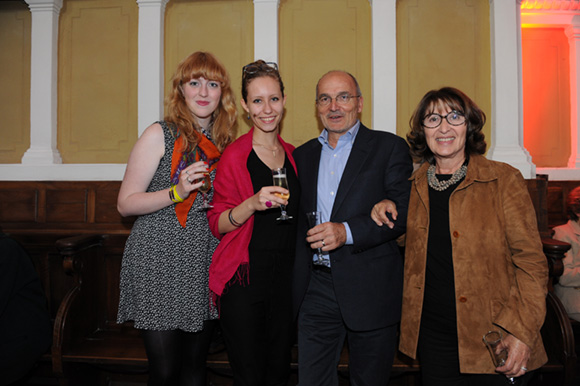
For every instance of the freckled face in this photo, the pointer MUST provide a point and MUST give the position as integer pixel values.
(265, 103)
(202, 97)
(446, 141)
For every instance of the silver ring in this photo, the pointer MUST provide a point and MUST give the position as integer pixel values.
(187, 172)
(524, 368)
(323, 243)
(190, 181)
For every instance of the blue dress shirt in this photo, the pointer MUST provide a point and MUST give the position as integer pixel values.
(332, 164)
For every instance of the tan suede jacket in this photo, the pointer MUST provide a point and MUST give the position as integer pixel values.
(500, 270)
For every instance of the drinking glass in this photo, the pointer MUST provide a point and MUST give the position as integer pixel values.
(206, 186)
(493, 340)
(279, 177)
(313, 220)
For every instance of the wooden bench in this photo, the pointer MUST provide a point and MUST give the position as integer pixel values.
(86, 342)
(90, 348)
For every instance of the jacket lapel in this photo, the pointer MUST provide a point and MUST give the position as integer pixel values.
(358, 155)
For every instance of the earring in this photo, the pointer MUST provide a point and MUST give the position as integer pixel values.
(248, 117)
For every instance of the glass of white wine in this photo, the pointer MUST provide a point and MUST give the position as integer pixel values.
(279, 177)
(206, 186)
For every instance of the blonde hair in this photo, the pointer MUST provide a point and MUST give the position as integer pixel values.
(224, 118)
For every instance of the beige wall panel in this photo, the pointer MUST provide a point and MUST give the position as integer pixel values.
(15, 23)
(97, 84)
(224, 28)
(317, 36)
(546, 84)
(442, 43)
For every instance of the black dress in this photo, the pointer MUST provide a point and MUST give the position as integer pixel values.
(257, 318)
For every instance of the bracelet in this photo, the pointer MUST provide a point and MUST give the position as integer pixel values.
(232, 221)
(174, 196)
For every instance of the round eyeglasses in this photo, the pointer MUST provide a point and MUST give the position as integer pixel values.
(341, 99)
(433, 120)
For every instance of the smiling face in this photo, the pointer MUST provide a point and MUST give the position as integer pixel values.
(202, 97)
(265, 103)
(338, 118)
(446, 142)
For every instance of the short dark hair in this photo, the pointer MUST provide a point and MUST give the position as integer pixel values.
(260, 69)
(457, 101)
(573, 204)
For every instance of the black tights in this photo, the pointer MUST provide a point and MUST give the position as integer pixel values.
(177, 357)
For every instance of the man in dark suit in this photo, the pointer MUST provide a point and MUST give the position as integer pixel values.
(355, 291)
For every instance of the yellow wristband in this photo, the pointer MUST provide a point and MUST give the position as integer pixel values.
(176, 197)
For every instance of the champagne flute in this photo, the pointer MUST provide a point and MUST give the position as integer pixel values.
(493, 341)
(313, 220)
(206, 186)
(279, 177)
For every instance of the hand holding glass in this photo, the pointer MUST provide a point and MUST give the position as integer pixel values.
(493, 341)
(279, 177)
(314, 220)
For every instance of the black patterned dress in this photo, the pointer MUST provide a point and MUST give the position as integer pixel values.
(164, 274)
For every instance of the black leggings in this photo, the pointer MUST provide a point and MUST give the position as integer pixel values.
(177, 357)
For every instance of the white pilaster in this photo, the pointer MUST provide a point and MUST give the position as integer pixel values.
(266, 30)
(573, 34)
(150, 62)
(43, 83)
(384, 64)
(506, 84)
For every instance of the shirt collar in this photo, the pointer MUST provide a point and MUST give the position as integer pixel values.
(350, 135)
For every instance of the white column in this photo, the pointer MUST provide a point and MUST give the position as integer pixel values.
(384, 64)
(506, 84)
(266, 30)
(573, 34)
(150, 62)
(43, 83)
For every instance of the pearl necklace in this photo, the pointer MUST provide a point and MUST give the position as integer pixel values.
(441, 186)
(274, 150)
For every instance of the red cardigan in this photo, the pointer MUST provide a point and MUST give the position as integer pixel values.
(232, 185)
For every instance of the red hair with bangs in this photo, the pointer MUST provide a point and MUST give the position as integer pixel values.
(224, 118)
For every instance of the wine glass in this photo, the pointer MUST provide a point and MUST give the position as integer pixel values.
(279, 177)
(493, 340)
(313, 220)
(206, 186)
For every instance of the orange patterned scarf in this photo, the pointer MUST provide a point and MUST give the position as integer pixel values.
(205, 151)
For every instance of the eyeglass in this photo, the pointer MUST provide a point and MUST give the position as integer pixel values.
(252, 68)
(433, 120)
(341, 99)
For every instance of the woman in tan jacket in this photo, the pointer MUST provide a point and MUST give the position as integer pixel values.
(473, 255)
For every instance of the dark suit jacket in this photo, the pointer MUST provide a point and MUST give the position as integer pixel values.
(368, 275)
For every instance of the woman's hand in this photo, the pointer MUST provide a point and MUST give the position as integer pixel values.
(263, 200)
(191, 178)
(266, 198)
(380, 210)
(518, 355)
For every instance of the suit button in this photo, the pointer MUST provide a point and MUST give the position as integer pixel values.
(455, 234)
(462, 299)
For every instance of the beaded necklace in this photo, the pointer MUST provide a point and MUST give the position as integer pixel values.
(441, 186)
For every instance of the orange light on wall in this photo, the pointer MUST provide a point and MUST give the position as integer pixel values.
(546, 88)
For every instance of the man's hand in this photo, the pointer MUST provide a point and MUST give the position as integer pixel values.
(327, 236)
